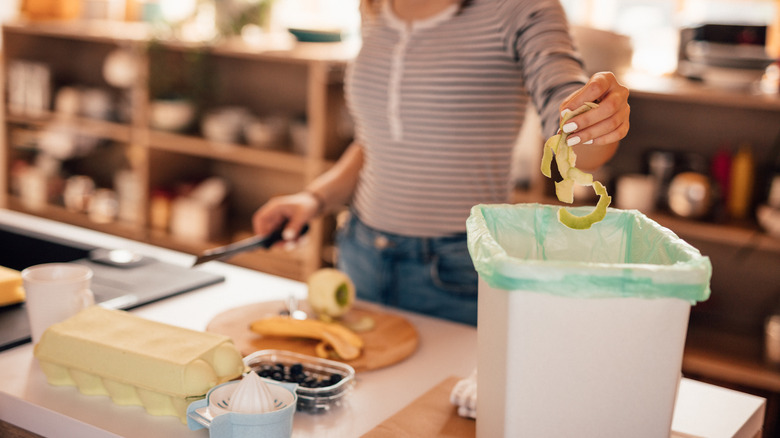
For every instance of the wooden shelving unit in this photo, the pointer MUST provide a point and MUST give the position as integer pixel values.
(298, 80)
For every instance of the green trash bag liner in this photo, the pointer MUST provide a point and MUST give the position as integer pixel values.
(525, 247)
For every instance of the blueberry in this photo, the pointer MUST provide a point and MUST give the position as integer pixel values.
(296, 369)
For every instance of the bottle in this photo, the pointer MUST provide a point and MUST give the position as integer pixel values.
(720, 173)
(741, 181)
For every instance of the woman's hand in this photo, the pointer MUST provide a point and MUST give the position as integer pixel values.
(296, 209)
(604, 125)
(601, 128)
(334, 187)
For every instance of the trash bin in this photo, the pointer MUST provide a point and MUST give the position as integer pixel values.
(581, 332)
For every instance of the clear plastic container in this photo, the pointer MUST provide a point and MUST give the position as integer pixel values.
(311, 400)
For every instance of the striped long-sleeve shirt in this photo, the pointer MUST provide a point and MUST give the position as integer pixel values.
(438, 105)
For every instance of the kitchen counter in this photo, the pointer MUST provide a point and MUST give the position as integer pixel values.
(445, 349)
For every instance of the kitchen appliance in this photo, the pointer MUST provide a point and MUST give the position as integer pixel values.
(725, 55)
(118, 282)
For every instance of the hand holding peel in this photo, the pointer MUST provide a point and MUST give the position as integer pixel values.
(602, 129)
(565, 159)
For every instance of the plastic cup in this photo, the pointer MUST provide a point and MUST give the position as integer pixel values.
(55, 292)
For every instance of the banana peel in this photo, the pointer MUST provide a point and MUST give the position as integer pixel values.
(332, 336)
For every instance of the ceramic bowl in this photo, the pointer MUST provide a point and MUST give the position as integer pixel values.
(225, 124)
(171, 115)
(267, 132)
(317, 35)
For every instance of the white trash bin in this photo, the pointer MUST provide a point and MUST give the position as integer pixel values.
(581, 332)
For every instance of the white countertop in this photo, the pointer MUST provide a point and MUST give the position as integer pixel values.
(445, 349)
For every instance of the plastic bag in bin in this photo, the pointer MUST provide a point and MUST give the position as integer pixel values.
(525, 247)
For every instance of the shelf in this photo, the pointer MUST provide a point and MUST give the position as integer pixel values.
(291, 51)
(81, 125)
(84, 30)
(61, 214)
(729, 357)
(240, 154)
(728, 234)
(679, 89)
(277, 48)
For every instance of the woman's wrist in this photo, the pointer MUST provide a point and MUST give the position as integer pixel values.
(317, 199)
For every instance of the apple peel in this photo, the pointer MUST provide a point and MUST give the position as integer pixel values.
(585, 222)
(565, 159)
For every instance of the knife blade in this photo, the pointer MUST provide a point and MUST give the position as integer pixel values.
(250, 243)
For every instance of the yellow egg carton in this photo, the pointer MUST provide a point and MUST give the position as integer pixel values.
(136, 361)
(11, 290)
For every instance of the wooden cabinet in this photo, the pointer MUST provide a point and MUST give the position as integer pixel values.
(297, 83)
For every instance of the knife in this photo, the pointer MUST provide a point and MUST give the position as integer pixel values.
(243, 245)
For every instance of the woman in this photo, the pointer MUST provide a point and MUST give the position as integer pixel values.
(438, 93)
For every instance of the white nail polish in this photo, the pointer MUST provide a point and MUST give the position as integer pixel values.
(288, 234)
(569, 127)
(589, 142)
(571, 141)
(565, 111)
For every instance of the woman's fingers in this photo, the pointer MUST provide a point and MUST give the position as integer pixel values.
(606, 124)
(296, 210)
(611, 129)
(268, 217)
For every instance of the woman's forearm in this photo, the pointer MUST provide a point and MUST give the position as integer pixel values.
(337, 185)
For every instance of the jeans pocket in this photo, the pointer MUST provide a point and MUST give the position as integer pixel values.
(357, 233)
(453, 271)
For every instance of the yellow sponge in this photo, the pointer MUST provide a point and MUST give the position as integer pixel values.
(11, 290)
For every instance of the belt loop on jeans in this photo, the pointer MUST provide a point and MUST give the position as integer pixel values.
(425, 248)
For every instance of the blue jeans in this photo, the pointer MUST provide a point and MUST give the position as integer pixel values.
(434, 276)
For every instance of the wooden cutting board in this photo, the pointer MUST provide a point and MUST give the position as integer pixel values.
(391, 340)
(430, 415)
